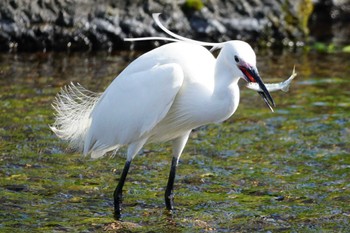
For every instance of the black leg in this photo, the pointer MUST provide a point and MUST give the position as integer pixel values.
(169, 196)
(118, 192)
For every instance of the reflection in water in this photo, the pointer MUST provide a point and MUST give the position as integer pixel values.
(99, 69)
(37, 69)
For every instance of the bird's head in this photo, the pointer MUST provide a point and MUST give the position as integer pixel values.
(241, 55)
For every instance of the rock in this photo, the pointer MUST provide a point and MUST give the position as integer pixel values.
(88, 25)
(329, 22)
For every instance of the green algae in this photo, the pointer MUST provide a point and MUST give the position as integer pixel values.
(195, 5)
(286, 171)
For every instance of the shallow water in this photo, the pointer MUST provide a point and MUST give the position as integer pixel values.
(258, 171)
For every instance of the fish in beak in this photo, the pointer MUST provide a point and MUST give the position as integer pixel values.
(251, 74)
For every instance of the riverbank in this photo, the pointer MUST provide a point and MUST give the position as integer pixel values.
(80, 25)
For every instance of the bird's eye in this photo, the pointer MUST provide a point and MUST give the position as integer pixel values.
(236, 59)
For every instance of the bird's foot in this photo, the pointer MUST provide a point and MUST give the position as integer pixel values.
(118, 206)
(117, 213)
(169, 202)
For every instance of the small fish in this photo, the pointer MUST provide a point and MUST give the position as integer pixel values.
(284, 86)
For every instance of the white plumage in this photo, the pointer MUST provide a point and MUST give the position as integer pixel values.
(73, 106)
(162, 95)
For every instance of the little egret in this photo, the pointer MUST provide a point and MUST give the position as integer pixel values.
(161, 96)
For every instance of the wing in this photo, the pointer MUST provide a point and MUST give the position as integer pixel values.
(131, 107)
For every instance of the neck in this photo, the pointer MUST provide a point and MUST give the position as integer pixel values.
(226, 91)
(225, 79)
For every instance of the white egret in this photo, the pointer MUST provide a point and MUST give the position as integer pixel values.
(160, 96)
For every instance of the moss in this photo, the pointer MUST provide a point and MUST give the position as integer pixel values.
(286, 171)
(328, 47)
(193, 5)
(305, 9)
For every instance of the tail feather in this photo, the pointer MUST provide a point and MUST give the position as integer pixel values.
(73, 106)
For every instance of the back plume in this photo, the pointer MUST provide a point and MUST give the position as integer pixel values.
(73, 107)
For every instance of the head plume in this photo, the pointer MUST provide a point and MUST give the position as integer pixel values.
(175, 36)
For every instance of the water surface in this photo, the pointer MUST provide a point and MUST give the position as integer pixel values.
(258, 171)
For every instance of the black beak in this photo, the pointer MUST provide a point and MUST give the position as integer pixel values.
(252, 75)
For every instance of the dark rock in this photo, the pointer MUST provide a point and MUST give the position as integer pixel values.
(89, 25)
(330, 21)
(16, 187)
